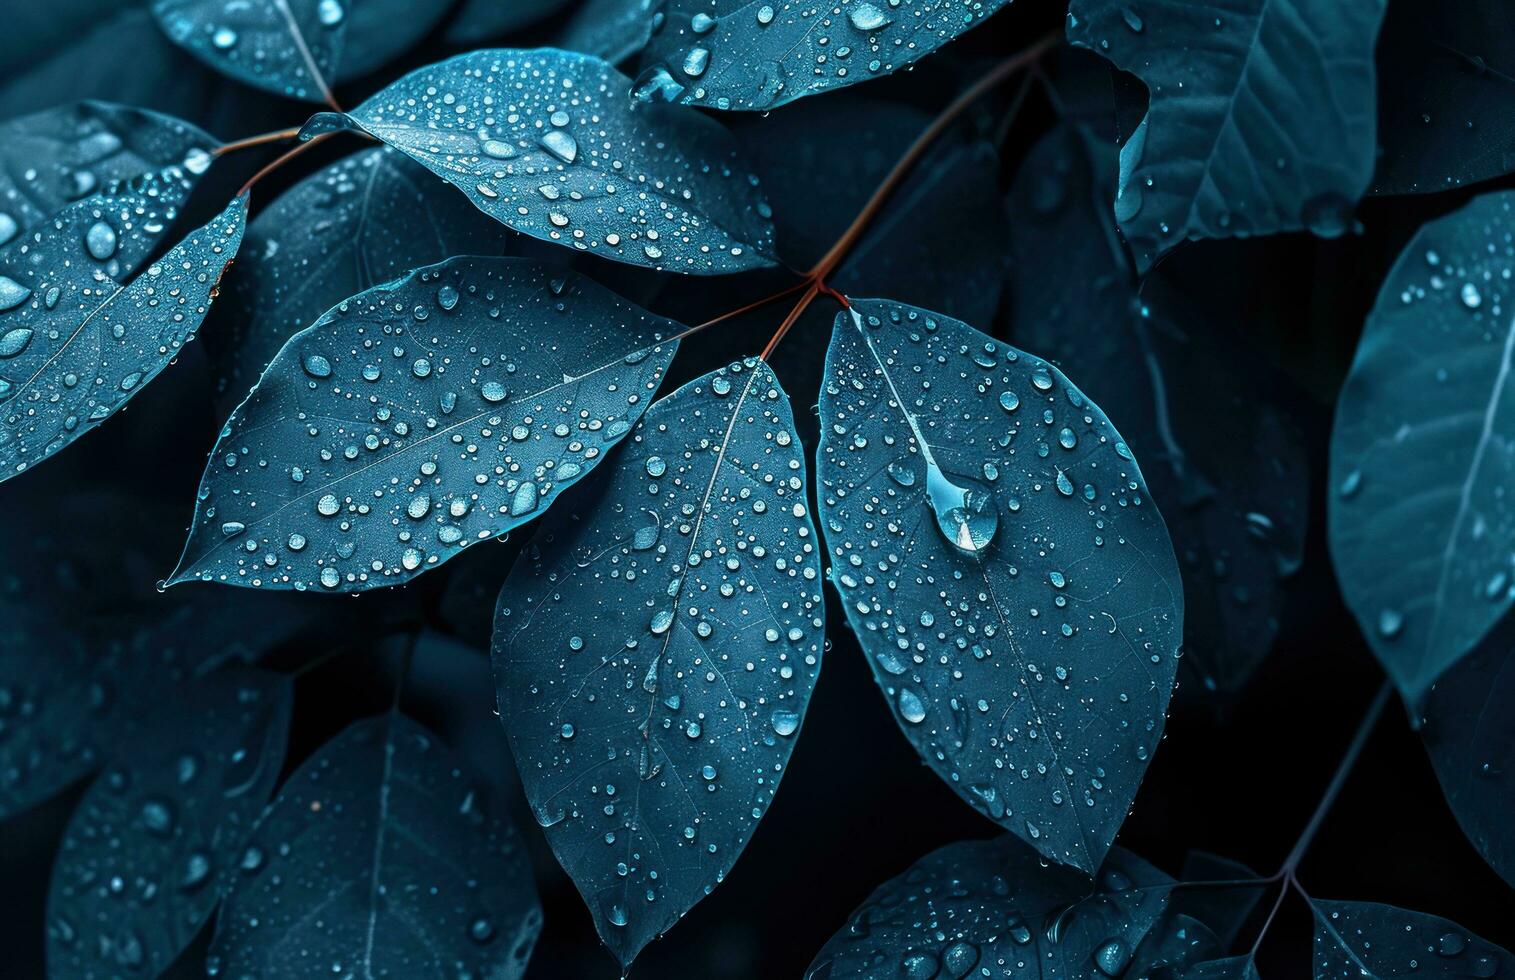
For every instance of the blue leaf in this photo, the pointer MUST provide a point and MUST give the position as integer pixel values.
(362, 221)
(1004, 569)
(1419, 529)
(738, 54)
(475, 21)
(169, 820)
(74, 344)
(417, 418)
(1469, 733)
(297, 47)
(383, 856)
(545, 142)
(992, 908)
(655, 651)
(611, 29)
(1365, 939)
(1444, 80)
(1223, 458)
(1223, 910)
(143, 162)
(1261, 116)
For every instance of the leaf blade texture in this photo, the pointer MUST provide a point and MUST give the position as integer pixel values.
(360, 222)
(383, 854)
(1366, 939)
(654, 663)
(1223, 455)
(294, 47)
(611, 29)
(1418, 533)
(992, 908)
(371, 489)
(170, 818)
(1004, 569)
(545, 142)
(1261, 115)
(734, 54)
(75, 345)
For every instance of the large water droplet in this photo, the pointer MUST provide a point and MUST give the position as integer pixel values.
(966, 516)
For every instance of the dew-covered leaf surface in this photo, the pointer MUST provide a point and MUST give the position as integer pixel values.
(289, 47)
(1364, 939)
(1420, 523)
(1469, 733)
(994, 909)
(1445, 74)
(1261, 115)
(656, 648)
(545, 141)
(1223, 457)
(611, 29)
(381, 857)
(145, 853)
(143, 162)
(757, 54)
(1004, 569)
(364, 220)
(75, 345)
(417, 418)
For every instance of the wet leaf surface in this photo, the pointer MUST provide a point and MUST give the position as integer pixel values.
(1365, 939)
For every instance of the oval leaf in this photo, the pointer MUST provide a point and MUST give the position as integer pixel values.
(1419, 529)
(297, 47)
(545, 142)
(1261, 115)
(74, 344)
(734, 54)
(1004, 569)
(51, 159)
(382, 856)
(1469, 733)
(1224, 459)
(417, 418)
(1365, 939)
(169, 819)
(993, 908)
(655, 652)
(360, 222)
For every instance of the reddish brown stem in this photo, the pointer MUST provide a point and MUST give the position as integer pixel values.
(756, 304)
(281, 160)
(812, 289)
(277, 136)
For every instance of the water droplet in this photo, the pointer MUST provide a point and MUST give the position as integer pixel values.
(560, 144)
(966, 516)
(867, 17)
(100, 240)
(12, 293)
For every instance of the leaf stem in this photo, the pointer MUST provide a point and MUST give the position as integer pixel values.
(282, 159)
(305, 54)
(277, 136)
(812, 289)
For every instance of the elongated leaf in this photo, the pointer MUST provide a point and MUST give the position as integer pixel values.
(362, 221)
(993, 908)
(545, 142)
(1469, 733)
(655, 653)
(74, 344)
(477, 21)
(417, 418)
(735, 54)
(1223, 458)
(169, 820)
(1261, 117)
(1365, 939)
(611, 29)
(50, 159)
(1444, 79)
(1419, 530)
(289, 47)
(383, 857)
(1004, 568)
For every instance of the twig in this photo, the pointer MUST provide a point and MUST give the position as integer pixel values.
(278, 135)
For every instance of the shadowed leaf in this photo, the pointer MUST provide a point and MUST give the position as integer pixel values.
(383, 856)
(1365, 939)
(477, 21)
(656, 649)
(1261, 116)
(168, 820)
(545, 142)
(1419, 528)
(420, 417)
(1004, 569)
(611, 29)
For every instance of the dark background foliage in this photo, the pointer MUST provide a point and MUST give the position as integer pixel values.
(1238, 776)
